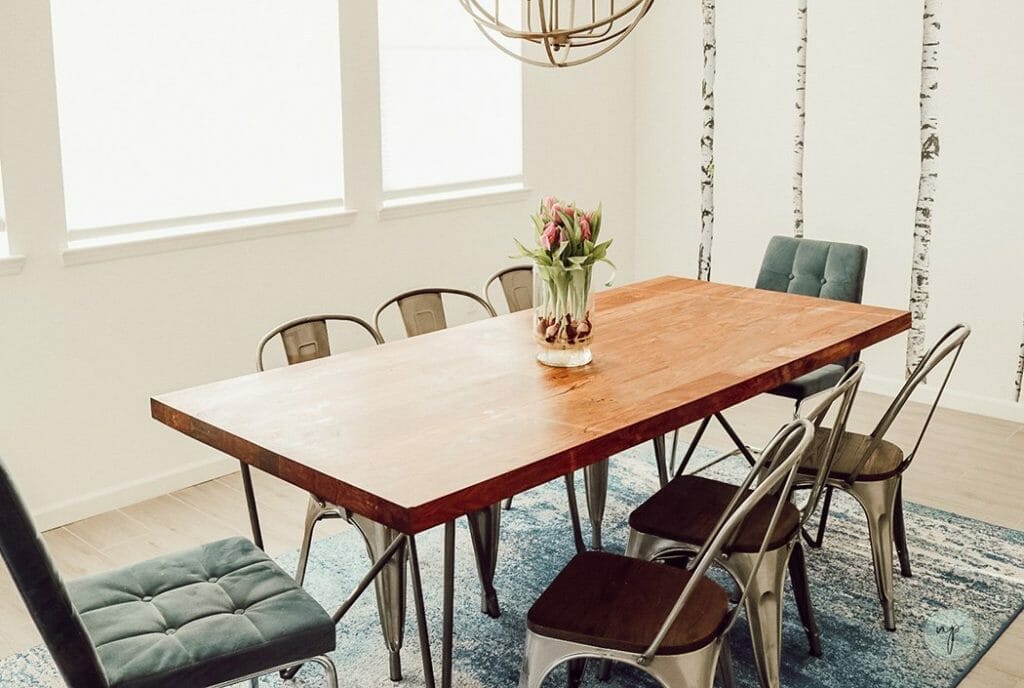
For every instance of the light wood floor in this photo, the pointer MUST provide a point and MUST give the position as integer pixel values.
(968, 464)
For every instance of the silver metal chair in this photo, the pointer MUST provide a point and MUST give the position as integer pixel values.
(306, 339)
(679, 518)
(617, 608)
(422, 312)
(517, 286)
(871, 468)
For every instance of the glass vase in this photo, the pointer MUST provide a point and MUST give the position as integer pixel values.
(563, 315)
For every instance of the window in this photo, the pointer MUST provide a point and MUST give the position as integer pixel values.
(196, 110)
(451, 104)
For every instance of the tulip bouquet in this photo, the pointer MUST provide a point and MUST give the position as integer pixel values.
(567, 249)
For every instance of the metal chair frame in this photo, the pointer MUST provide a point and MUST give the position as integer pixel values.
(774, 472)
(765, 588)
(882, 500)
(437, 307)
(510, 283)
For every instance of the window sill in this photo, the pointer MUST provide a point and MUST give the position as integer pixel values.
(198, 234)
(11, 265)
(456, 200)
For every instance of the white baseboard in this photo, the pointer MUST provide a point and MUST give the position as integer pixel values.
(1003, 409)
(75, 509)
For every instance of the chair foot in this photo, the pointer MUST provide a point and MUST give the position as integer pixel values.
(395, 665)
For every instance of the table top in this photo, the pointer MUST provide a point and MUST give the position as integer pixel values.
(419, 431)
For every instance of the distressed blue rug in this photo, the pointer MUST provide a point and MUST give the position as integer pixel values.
(968, 586)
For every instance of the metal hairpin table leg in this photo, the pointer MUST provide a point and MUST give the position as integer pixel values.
(421, 614)
(448, 605)
(250, 503)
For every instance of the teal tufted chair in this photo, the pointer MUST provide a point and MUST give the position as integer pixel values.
(825, 269)
(211, 616)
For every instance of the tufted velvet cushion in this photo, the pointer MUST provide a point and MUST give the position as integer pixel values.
(826, 269)
(199, 617)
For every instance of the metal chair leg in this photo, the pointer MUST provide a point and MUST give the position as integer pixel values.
(900, 533)
(764, 608)
(574, 513)
(574, 675)
(313, 510)
(816, 541)
(802, 593)
(660, 460)
(595, 481)
(421, 614)
(724, 669)
(254, 682)
(390, 588)
(508, 503)
(878, 498)
(484, 531)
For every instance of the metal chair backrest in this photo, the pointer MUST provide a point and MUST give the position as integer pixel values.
(844, 390)
(423, 309)
(517, 285)
(43, 591)
(951, 343)
(307, 338)
(774, 473)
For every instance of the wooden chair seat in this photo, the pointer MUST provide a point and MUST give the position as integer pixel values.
(703, 501)
(618, 602)
(885, 461)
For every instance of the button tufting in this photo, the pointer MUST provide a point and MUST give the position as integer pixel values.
(791, 275)
(239, 611)
(170, 631)
(147, 598)
(823, 280)
(213, 580)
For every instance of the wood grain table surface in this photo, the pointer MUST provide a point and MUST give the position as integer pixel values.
(419, 431)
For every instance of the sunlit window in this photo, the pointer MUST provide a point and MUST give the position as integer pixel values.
(196, 108)
(451, 103)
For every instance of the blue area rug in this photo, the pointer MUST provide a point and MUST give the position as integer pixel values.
(968, 575)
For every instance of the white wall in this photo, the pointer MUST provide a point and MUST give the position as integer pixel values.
(83, 348)
(862, 160)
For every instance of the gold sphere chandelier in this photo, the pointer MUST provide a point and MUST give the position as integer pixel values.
(570, 32)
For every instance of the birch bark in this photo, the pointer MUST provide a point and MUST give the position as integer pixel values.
(1020, 371)
(798, 144)
(707, 145)
(919, 287)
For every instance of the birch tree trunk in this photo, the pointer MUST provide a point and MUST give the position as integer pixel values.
(707, 145)
(798, 144)
(926, 185)
(1020, 371)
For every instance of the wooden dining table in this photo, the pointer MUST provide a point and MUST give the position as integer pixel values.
(418, 432)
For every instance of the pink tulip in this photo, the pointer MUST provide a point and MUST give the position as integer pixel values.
(555, 209)
(549, 202)
(585, 227)
(549, 237)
